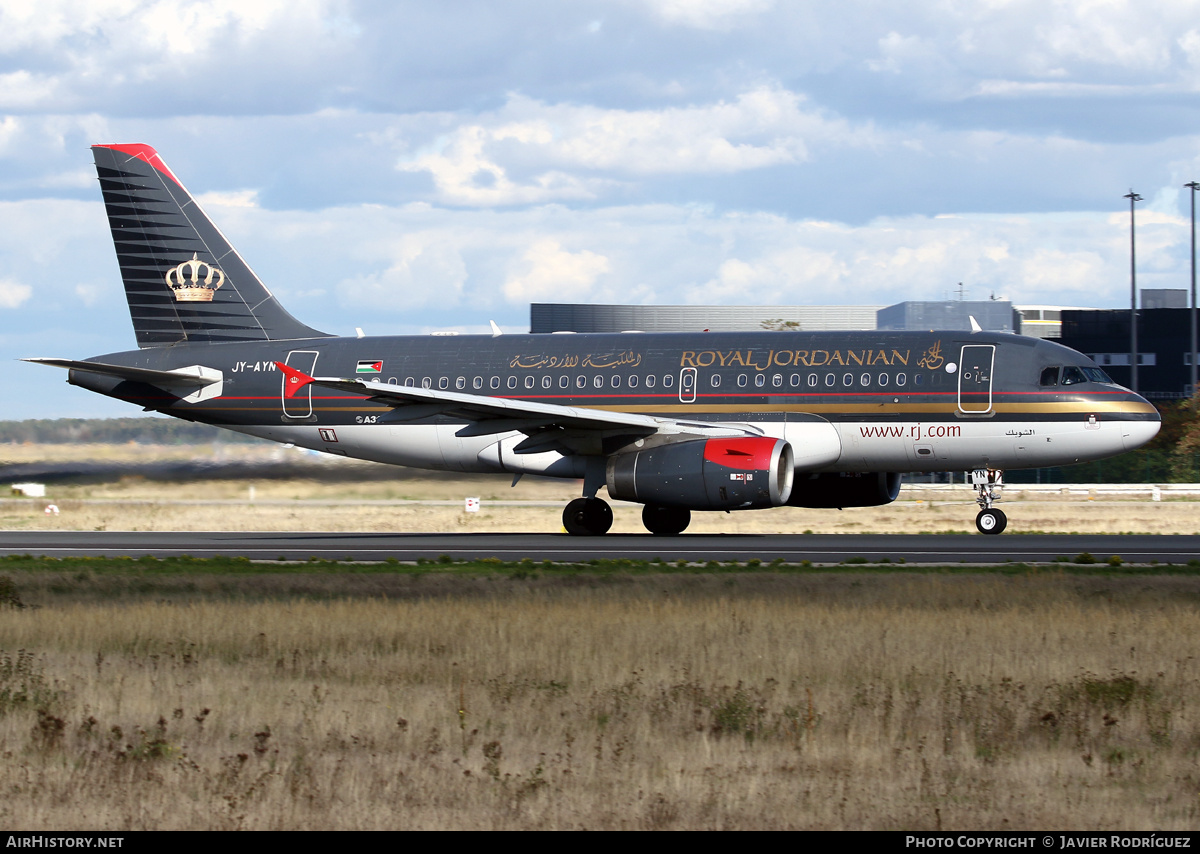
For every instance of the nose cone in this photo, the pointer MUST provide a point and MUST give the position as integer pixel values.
(1135, 433)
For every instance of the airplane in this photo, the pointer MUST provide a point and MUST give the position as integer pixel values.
(677, 422)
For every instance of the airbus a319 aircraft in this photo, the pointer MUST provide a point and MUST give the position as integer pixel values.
(676, 422)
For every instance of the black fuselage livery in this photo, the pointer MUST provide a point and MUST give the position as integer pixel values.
(677, 422)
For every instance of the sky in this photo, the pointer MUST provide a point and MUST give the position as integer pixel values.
(406, 167)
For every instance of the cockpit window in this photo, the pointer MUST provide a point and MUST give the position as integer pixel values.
(1049, 376)
(1072, 375)
(1097, 375)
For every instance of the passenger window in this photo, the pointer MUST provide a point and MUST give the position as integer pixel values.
(716, 381)
(830, 380)
(795, 380)
(918, 379)
(616, 381)
(426, 382)
(901, 379)
(495, 382)
(812, 380)
(391, 381)
(1072, 375)
(668, 381)
(529, 382)
(777, 380)
(741, 380)
(512, 382)
(547, 382)
(1049, 377)
(847, 379)
(633, 381)
(598, 382)
(883, 379)
(461, 382)
(760, 380)
(477, 382)
(409, 382)
(443, 383)
(650, 381)
(564, 381)
(580, 382)
(865, 379)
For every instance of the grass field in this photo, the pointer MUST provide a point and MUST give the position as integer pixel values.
(191, 694)
(340, 495)
(150, 697)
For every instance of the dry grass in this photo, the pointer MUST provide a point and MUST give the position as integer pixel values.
(743, 702)
(140, 504)
(307, 506)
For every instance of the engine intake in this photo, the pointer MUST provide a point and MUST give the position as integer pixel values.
(705, 474)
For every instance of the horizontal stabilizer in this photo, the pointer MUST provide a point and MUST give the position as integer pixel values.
(193, 383)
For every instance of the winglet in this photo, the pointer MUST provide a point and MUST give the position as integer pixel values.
(496, 331)
(975, 327)
(293, 380)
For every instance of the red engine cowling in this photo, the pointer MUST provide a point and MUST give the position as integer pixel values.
(845, 489)
(706, 474)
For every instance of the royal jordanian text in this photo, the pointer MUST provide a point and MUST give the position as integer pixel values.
(763, 359)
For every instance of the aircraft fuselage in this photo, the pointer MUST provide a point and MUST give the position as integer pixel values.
(846, 401)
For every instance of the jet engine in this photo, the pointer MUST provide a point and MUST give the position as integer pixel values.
(705, 474)
(845, 489)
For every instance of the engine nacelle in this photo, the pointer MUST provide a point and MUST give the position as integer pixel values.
(706, 474)
(845, 489)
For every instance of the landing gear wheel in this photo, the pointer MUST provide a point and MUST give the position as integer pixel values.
(587, 517)
(991, 521)
(665, 521)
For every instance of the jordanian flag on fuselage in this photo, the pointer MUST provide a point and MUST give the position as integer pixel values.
(369, 366)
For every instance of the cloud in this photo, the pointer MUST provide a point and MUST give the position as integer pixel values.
(421, 272)
(571, 152)
(708, 14)
(228, 199)
(554, 274)
(13, 294)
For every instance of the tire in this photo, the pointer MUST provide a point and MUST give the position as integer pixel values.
(665, 521)
(587, 517)
(991, 521)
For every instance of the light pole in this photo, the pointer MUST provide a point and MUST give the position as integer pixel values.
(1133, 344)
(1193, 186)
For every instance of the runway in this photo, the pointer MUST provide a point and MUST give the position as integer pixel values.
(696, 548)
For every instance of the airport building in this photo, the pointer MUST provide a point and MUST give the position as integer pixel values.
(568, 317)
(1164, 344)
(993, 315)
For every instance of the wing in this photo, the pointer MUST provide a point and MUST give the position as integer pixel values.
(548, 426)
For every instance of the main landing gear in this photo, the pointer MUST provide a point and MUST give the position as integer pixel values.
(665, 521)
(587, 517)
(591, 517)
(989, 483)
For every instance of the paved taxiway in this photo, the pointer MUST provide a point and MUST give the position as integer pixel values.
(699, 548)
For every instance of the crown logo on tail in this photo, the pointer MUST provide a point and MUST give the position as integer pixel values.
(185, 281)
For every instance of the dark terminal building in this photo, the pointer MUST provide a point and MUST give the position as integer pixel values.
(1164, 343)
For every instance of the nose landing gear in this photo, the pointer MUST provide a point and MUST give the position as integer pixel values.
(989, 484)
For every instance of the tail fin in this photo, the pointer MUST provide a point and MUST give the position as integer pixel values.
(183, 280)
